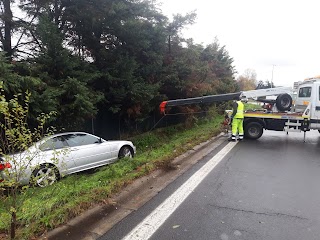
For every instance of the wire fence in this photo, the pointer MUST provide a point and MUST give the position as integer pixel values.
(110, 126)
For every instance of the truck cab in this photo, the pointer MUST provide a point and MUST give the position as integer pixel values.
(309, 99)
(304, 95)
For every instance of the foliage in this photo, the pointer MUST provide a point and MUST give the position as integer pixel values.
(253, 106)
(16, 80)
(263, 85)
(123, 57)
(15, 138)
(247, 81)
(197, 71)
(66, 79)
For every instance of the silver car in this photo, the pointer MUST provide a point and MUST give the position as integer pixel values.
(62, 154)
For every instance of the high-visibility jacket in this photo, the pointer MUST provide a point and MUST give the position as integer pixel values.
(240, 110)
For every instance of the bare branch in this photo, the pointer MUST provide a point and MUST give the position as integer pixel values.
(24, 43)
(28, 26)
(1, 36)
(24, 52)
(36, 40)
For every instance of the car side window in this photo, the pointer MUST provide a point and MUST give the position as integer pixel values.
(81, 139)
(53, 144)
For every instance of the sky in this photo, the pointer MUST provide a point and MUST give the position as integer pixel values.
(278, 39)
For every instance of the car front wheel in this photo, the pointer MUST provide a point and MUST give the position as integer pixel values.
(44, 175)
(125, 152)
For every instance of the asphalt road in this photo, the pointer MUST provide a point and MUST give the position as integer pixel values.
(263, 189)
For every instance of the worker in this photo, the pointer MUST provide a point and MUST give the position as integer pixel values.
(237, 120)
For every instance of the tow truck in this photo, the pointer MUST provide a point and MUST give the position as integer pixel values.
(281, 115)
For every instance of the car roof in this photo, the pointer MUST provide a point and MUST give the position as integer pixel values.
(45, 138)
(66, 133)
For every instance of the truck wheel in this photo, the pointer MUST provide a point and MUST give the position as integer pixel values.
(284, 102)
(253, 130)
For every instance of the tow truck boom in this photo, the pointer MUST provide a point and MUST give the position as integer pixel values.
(252, 94)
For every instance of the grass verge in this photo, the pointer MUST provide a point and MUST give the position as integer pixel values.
(43, 209)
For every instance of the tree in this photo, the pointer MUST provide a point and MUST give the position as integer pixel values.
(15, 83)
(16, 30)
(178, 23)
(66, 79)
(263, 85)
(197, 71)
(118, 56)
(115, 47)
(247, 81)
(125, 41)
(6, 18)
(221, 66)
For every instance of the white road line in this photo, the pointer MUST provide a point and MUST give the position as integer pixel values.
(151, 223)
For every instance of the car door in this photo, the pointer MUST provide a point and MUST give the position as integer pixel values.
(88, 151)
(55, 150)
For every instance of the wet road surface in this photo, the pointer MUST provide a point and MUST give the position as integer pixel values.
(263, 189)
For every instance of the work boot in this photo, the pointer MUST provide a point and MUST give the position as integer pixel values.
(231, 140)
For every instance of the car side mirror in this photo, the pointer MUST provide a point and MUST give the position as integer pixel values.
(99, 141)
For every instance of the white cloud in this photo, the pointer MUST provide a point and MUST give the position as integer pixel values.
(259, 34)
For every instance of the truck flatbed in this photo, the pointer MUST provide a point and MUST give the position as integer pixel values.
(273, 115)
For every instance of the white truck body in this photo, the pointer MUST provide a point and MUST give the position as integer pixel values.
(304, 114)
(291, 111)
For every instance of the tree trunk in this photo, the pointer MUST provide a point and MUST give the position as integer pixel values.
(7, 45)
(169, 44)
(13, 210)
(56, 12)
(13, 225)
